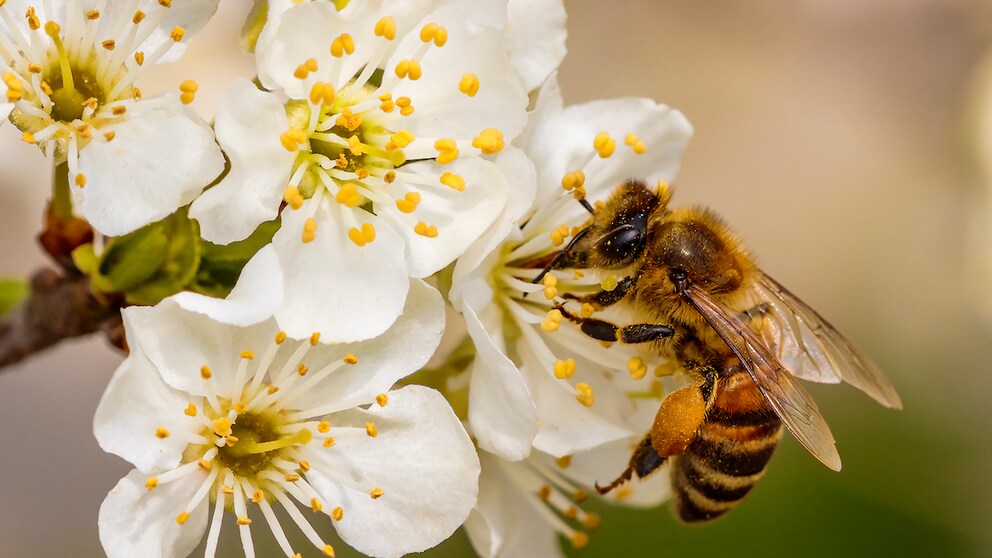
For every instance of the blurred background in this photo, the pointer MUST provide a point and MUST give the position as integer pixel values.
(849, 142)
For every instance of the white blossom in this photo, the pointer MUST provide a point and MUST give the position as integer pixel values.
(245, 419)
(69, 67)
(538, 380)
(378, 134)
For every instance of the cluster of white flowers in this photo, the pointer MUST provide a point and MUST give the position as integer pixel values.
(402, 145)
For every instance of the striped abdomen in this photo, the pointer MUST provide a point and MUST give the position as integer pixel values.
(729, 453)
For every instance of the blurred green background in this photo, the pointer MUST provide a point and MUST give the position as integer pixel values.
(838, 137)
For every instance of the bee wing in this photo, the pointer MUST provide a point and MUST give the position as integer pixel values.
(791, 402)
(814, 350)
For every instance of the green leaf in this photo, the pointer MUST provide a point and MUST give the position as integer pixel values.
(12, 292)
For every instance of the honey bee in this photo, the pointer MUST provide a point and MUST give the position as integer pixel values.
(707, 307)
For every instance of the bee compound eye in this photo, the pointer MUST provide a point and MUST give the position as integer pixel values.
(623, 244)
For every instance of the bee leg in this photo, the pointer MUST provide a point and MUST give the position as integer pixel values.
(563, 258)
(605, 331)
(643, 462)
(602, 299)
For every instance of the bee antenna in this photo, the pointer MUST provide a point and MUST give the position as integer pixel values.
(588, 207)
(561, 255)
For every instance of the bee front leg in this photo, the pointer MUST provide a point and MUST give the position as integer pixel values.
(602, 330)
(602, 299)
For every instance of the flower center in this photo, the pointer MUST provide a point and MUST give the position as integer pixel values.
(255, 442)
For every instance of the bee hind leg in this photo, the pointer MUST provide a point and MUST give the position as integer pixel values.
(644, 462)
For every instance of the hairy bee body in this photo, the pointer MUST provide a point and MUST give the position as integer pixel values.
(705, 306)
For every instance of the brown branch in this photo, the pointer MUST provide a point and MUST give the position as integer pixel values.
(60, 306)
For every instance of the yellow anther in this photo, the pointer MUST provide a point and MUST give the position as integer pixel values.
(362, 174)
(591, 521)
(604, 144)
(177, 34)
(227, 489)
(311, 64)
(314, 338)
(423, 229)
(328, 551)
(315, 505)
(272, 389)
(328, 442)
(637, 368)
(190, 410)
(322, 93)
(138, 17)
(409, 68)
(323, 427)
(80, 180)
(375, 493)
(292, 477)
(550, 293)
(552, 323)
(389, 177)
(584, 394)
(544, 492)
(222, 426)
(257, 496)
(348, 195)
(403, 101)
(573, 179)
(91, 103)
(408, 204)
(355, 146)
(33, 22)
(151, 483)
(350, 359)
(579, 540)
(371, 430)
(249, 355)
(304, 465)
(406, 110)
(243, 520)
(557, 238)
(586, 310)
(571, 512)
(609, 283)
(453, 181)
(165, 3)
(280, 337)
(139, 57)
(136, 94)
(293, 138)
(302, 369)
(119, 110)
(34, 68)
(181, 518)
(635, 143)
(382, 399)
(386, 28)
(434, 32)
(28, 137)
(342, 45)
(109, 44)
(294, 199)
(205, 372)
(564, 461)
(93, 14)
(402, 138)
(161, 432)
(564, 369)
(489, 141)
(363, 236)
(240, 407)
(447, 150)
(550, 280)
(337, 514)
(580, 496)
(231, 440)
(349, 120)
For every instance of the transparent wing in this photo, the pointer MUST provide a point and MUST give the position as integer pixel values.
(791, 402)
(814, 350)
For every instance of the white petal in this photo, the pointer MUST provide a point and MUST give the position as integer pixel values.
(137, 522)
(503, 524)
(5, 109)
(441, 109)
(536, 35)
(305, 31)
(179, 342)
(422, 460)
(346, 292)
(255, 297)
(460, 217)
(136, 403)
(402, 350)
(501, 412)
(248, 127)
(521, 178)
(190, 15)
(159, 161)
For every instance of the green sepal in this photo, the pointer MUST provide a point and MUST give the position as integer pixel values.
(179, 265)
(221, 265)
(12, 292)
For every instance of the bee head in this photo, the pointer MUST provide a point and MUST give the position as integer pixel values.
(618, 235)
